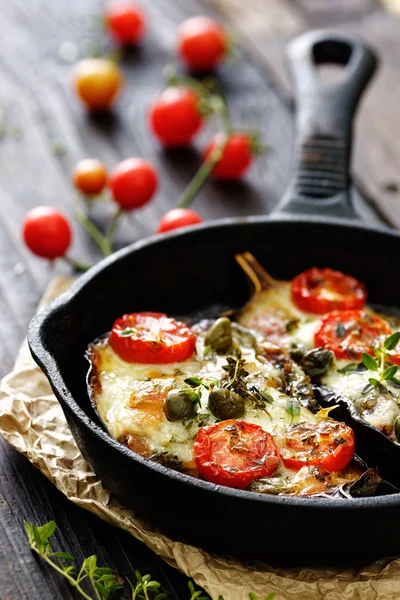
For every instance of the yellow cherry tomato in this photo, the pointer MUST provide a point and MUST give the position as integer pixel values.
(89, 176)
(97, 82)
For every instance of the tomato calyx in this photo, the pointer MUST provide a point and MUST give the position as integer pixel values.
(234, 453)
(350, 333)
(320, 291)
(327, 444)
(152, 338)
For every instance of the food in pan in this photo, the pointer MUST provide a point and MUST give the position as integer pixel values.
(323, 308)
(240, 403)
(218, 401)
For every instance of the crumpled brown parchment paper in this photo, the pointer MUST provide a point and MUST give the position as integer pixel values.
(33, 422)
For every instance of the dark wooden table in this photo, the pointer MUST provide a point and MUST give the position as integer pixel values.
(44, 131)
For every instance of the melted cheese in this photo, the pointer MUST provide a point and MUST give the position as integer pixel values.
(274, 308)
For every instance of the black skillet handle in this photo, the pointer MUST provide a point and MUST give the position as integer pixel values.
(320, 177)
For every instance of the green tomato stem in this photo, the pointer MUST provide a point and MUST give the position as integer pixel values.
(75, 264)
(112, 228)
(202, 175)
(99, 239)
(70, 579)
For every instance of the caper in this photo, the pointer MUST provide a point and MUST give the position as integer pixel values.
(397, 429)
(179, 406)
(219, 336)
(317, 362)
(243, 336)
(225, 404)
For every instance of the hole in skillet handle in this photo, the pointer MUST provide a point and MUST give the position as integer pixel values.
(372, 446)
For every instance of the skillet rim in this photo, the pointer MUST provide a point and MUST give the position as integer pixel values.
(48, 364)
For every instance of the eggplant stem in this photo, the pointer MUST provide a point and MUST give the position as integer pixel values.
(258, 276)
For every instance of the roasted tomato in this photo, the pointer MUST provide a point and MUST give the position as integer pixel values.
(235, 453)
(152, 338)
(349, 333)
(327, 444)
(322, 290)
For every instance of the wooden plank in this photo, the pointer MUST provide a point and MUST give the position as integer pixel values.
(38, 110)
(267, 26)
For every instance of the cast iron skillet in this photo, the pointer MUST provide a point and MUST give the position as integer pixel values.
(193, 273)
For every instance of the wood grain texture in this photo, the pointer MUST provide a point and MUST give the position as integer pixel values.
(376, 163)
(44, 131)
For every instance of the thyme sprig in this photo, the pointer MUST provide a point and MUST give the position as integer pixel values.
(235, 380)
(104, 581)
(378, 364)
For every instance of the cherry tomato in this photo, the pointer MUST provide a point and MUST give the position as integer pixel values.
(125, 22)
(349, 333)
(236, 158)
(133, 183)
(175, 117)
(322, 290)
(152, 338)
(327, 444)
(202, 43)
(178, 217)
(97, 82)
(89, 176)
(234, 453)
(47, 232)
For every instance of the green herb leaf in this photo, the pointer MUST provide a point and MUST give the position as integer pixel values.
(293, 408)
(369, 362)
(194, 381)
(63, 555)
(353, 368)
(207, 350)
(127, 332)
(389, 373)
(392, 341)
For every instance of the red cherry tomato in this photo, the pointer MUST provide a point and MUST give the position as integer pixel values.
(133, 183)
(178, 217)
(47, 232)
(327, 444)
(152, 338)
(97, 82)
(322, 290)
(202, 43)
(237, 156)
(125, 22)
(89, 176)
(349, 333)
(175, 117)
(235, 453)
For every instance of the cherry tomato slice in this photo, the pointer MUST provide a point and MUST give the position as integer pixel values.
(235, 453)
(322, 290)
(349, 333)
(152, 338)
(328, 444)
